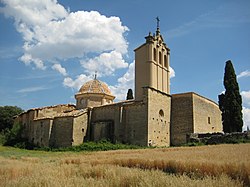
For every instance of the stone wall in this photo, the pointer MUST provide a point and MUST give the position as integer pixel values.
(106, 113)
(23, 119)
(26, 118)
(62, 132)
(55, 126)
(159, 106)
(141, 123)
(150, 122)
(129, 119)
(181, 118)
(42, 130)
(192, 113)
(102, 131)
(135, 123)
(206, 114)
(218, 138)
(80, 128)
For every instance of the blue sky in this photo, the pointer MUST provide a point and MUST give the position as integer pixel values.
(48, 49)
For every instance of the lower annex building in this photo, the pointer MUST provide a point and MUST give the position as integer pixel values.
(153, 118)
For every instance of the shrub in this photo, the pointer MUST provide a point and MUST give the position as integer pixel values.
(13, 137)
(103, 145)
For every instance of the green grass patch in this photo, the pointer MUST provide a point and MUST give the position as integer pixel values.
(17, 153)
(93, 146)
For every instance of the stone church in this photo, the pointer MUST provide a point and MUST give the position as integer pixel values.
(153, 118)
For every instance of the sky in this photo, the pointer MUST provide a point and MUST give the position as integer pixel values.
(50, 48)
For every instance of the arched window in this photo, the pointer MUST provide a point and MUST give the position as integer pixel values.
(160, 62)
(154, 54)
(165, 61)
(161, 113)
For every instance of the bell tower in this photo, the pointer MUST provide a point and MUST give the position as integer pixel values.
(152, 64)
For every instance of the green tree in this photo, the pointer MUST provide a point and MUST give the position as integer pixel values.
(6, 116)
(230, 102)
(13, 136)
(130, 94)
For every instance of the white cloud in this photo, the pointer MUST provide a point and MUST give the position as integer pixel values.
(50, 32)
(32, 89)
(105, 64)
(245, 97)
(77, 83)
(244, 74)
(60, 69)
(246, 118)
(33, 12)
(124, 83)
(129, 76)
(172, 72)
(246, 110)
(27, 60)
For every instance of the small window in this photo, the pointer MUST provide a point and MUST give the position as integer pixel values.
(154, 54)
(160, 62)
(209, 120)
(165, 61)
(82, 130)
(161, 113)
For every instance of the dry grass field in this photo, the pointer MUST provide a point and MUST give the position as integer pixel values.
(218, 165)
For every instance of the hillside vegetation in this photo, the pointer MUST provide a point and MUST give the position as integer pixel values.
(217, 165)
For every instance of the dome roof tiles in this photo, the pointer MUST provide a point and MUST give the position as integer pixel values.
(95, 86)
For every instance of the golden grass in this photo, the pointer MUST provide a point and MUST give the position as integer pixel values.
(220, 165)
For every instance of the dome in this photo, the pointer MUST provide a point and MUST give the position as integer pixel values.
(95, 86)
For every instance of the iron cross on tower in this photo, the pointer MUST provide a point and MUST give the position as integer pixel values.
(158, 22)
(95, 75)
(158, 26)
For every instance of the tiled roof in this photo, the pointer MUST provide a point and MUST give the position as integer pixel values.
(72, 113)
(53, 106)
(95, 86)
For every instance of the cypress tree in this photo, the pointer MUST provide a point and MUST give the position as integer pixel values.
(130, 94)
(230, 102)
